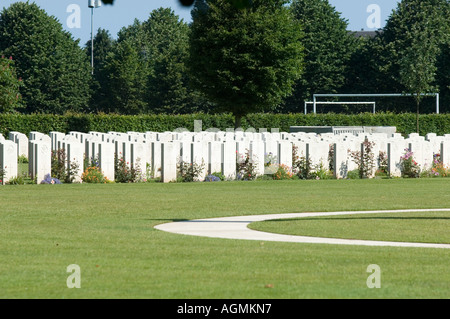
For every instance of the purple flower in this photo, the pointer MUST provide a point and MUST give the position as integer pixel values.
(50, 180)
(212, 178)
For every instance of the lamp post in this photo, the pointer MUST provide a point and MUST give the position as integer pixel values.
(93, 4)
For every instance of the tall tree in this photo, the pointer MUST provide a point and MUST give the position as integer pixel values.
(10, 98)
(328, 48)
(423, 28)
(126, 79)
(167, 47)
(443, 77)
(53, 67)
(418, 68)
(159, 46)
(408, 48)
(126, 72)
(245, 60)
(103, 45)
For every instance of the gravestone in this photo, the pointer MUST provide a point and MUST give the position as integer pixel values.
(229, 159)
(91, 143)
(199, 156)
(75, 158)
(106, 159)
(56, 138)
(257, 156)
(445, 153)
(155, 161)
(396, 150)
(168, 162)
(35, 135)
(214, 157)
(39, 158)
(8, 160)
(317, 153)
(422, 151)
(138, 156)
(285, 153)
(22, 143)
(341, 159)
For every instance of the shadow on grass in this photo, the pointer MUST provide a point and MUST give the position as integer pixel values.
(168, 220)
(201, 221)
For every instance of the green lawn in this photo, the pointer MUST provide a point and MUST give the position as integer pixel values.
(423, 227)
(108, 231)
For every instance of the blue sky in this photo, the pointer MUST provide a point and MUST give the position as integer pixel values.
(123, 13)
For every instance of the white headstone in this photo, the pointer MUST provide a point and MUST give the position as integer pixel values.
(156, 159)
(396, 150)
(56, 137)
(285, 153)
(138, 155)
(229, 159)
(214, 157)
(106, 159)
(8, 160)
(445, 153)
(168, 162)
(75, 157)
(22, 143)
(39, 159)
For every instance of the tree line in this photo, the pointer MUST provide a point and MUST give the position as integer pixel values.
(265, 56)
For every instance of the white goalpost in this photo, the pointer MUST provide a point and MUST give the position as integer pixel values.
(315, 96)
(342, 103)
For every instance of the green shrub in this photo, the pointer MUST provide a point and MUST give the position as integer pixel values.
(22, 159)
(246, 168)
(189, 172)
(93, 175)
(219, 175)
(283, 172)
(354, 174)
(18, 180)
(126, 173)
(301, 166)
(45, 123)
(408, 166)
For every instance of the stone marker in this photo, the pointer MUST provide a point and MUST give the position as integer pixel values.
(39, 159)
(8, 160)
(106, 159)
(22, 143)
(168, 162)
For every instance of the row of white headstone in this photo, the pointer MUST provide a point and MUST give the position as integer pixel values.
(160, 153)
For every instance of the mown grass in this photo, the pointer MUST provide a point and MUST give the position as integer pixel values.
(423, 227)
(108, 231)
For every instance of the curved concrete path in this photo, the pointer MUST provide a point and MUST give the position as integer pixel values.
(236, 228)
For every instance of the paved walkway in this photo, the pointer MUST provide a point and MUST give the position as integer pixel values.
(236, 228)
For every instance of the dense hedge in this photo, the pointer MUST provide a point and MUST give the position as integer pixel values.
(405, 123)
